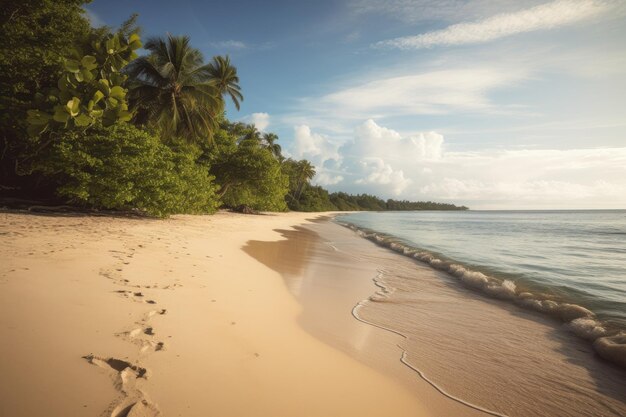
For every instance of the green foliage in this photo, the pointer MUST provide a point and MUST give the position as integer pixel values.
(35, 35)
(269, 142)
(224, 76)
(300, 173)
(74, 88)
(303, 196)
(247, 172)
(91, 86)
(344, 202)
(174, 91)
(122, 167)
(313, 198)
(421, 205)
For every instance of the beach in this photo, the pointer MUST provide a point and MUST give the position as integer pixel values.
(269, 315)
(138, 317)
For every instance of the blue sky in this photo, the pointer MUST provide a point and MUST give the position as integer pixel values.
(493, 104)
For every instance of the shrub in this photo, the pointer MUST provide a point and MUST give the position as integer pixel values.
(248, 173)
(123, 167)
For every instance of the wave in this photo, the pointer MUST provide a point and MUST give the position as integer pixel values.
(609, 343)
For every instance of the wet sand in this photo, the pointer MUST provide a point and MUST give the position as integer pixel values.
(329, 283)
(487, 353)
(132, 317)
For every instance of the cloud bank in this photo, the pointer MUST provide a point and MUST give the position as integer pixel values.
(230, 44)
(429, 10)
(543, 17)
(260, 120)
(381, 161)
(429, 92)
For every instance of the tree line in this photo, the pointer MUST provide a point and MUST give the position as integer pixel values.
(86, 121)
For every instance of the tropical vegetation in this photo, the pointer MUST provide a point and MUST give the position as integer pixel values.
(87, 122)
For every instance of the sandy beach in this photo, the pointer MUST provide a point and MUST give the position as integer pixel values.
(138, 317)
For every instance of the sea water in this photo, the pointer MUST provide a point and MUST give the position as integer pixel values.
(525, 313)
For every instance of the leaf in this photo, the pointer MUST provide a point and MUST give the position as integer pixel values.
(110, 46)
(82, 120)
(72, 65)
(89, 62)
(135, 45)
(60, 114)
(103, 86)
(112, 102)
(73, 106)
(63, 83)
(133, 37)
(87, 74)
(79, 76)
(97, 96)
(118, 92)
(124, 116)
(36, 117)
(117, 78)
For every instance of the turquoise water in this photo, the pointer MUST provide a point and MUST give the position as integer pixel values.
(571, 264)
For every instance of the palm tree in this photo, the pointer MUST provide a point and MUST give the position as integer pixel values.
(305, 172)
(269, 140)
(252, 134)
(172, 89)
(225, 78)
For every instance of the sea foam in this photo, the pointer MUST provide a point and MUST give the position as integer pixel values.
(610, 345)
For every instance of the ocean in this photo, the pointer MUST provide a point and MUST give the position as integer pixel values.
(524, 313)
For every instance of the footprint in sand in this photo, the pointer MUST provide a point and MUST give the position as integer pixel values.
(172, 286)
(132, 401)
(142, 335)
(153, 312)
(138, 337)
(118, 365)
(136, 296)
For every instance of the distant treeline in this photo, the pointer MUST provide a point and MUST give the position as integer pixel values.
(316, 198)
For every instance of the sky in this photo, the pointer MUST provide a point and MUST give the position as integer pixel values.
(509, 104)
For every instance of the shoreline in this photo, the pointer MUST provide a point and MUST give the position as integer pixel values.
(330, 284)
(166, 317)
(604, 336)
(473, 346)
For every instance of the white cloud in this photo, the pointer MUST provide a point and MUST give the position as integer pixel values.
(260, 120)
(376, 156)
(428, 10)
(327, 178)
(429, 92)
(369, 137)
(381, 161)
(318, 149)
(546, 16)
(375, 171)
(312, 146)
(228, 44)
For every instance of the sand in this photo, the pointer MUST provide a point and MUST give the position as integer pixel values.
(328, 277)
(136, 317)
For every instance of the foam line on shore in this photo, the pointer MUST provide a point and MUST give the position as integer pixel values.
(385, 292)
(608, 343)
